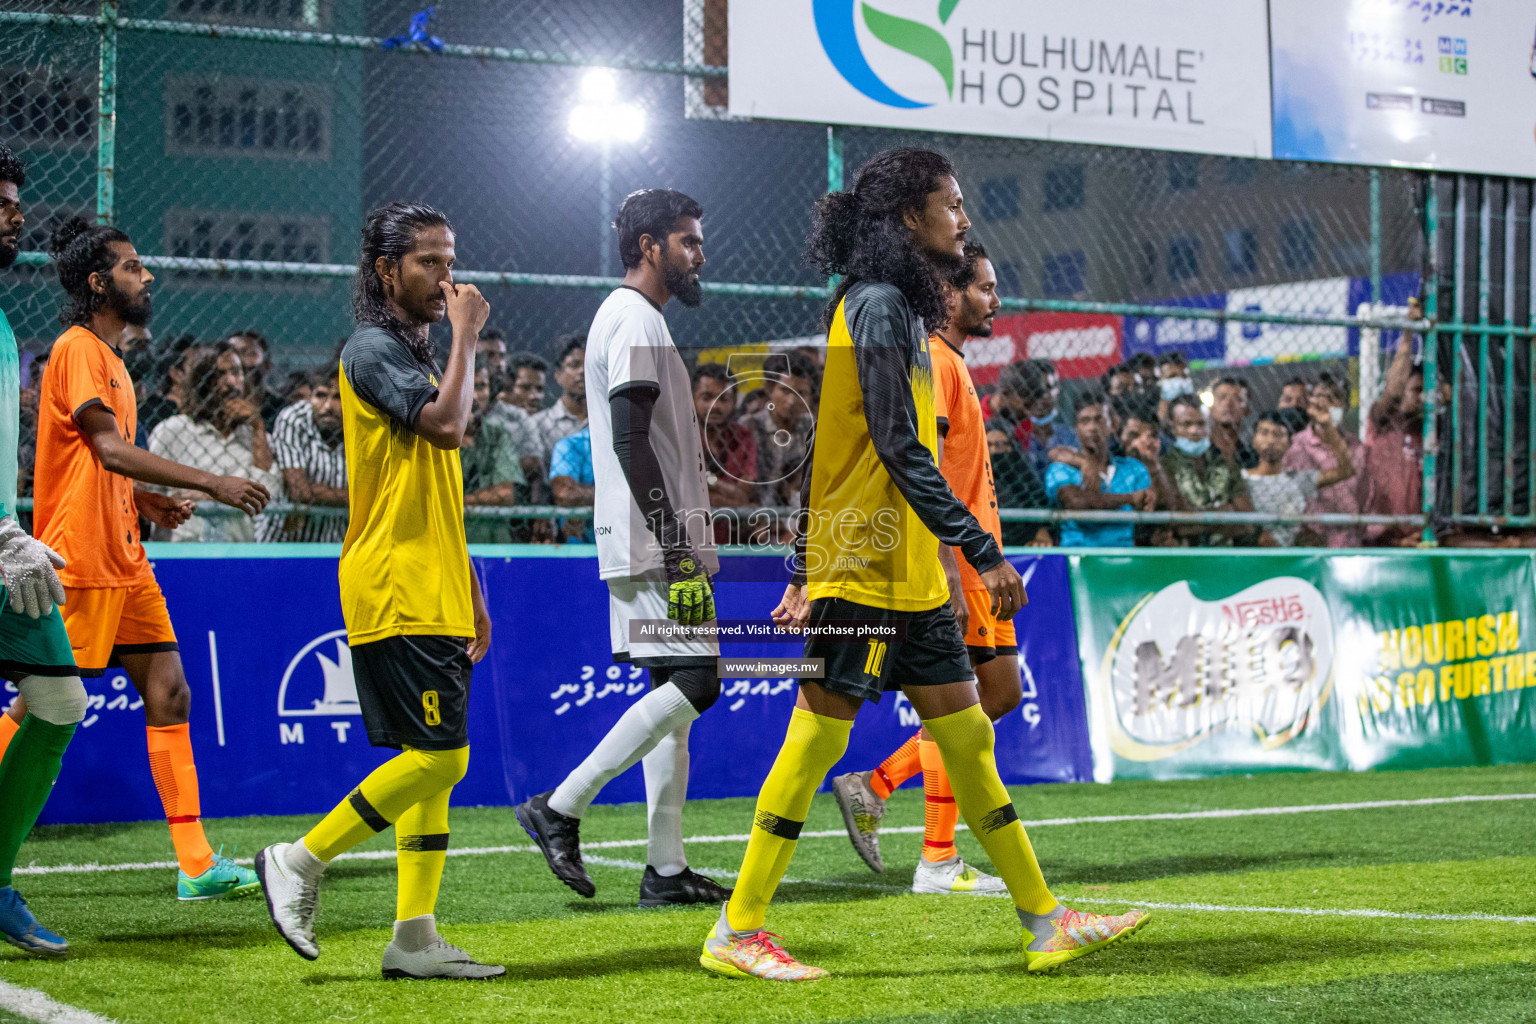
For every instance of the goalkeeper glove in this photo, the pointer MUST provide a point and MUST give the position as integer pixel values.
(28, 565)
(690, 598)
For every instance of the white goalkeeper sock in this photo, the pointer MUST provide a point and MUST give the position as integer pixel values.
(631, 738)
(666, 790)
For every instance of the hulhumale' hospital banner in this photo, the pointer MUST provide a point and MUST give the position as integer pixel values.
(1167, 74)
(1198, 666)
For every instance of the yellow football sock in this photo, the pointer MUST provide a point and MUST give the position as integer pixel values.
(965, 739)
(811, 747)
(421, 847)
(386, 794)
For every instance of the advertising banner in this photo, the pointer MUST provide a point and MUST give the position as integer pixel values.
(277, 729)
(1199, 666)
(1264, 343)
(558, 690)
(1197, 340)
(1078, 344)
(1166, 74)
(1430, 83)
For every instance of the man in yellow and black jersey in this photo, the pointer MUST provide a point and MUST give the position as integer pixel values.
(416, 620)
(877, 508)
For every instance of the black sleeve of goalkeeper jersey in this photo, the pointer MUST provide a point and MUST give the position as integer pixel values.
(880, 325)
(802, 517)
(631, 408)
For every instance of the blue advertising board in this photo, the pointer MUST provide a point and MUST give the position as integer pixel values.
(276, 726)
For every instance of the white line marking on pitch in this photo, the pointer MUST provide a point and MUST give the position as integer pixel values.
(34, 1005)
(635, 865)
(618, 844)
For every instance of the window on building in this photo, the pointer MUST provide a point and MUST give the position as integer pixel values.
(1000, 198)
(234, 235)
(45, 107)
(1298, 244)
(1148, 263)
(298, 14)
(1183, 172)
(1063, 187)
(1236, 171)
(1008, 278)
(216, 116)
(1242, 248)
(1183, 258)
(1062, 275)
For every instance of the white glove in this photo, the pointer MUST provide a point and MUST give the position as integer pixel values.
(27, 565)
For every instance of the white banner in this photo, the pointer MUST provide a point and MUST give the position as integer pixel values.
(1263, 343)
(1166, 74)
(1434, 83)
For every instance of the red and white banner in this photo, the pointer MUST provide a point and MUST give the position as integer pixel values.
(1077, 344)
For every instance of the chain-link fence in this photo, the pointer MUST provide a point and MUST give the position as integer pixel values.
(240, 142)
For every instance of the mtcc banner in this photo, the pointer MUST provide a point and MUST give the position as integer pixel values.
(1196, 665)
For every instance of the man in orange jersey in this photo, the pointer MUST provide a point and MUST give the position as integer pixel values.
(994, 653)
(88, 507)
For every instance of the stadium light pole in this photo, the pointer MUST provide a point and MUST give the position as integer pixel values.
(602, 119)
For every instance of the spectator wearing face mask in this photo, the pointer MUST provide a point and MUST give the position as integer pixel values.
(1199, 478)
(1281, 491)
(1048, 428)
(1172, 381)
(1310, 449)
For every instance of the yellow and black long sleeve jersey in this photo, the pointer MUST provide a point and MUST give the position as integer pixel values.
(877, 505)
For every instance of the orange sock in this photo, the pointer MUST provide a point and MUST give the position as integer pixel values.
(170, 762)
(8, 727)
(940, 812)
(896, 769)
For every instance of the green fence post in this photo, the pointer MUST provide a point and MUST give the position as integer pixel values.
(1484, 367)
(1431, 344)
(834, 158)
(106, 113)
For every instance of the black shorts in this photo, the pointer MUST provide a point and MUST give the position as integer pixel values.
(414, 691)
(901, 649)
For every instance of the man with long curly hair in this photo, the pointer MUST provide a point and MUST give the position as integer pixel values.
(868, 581)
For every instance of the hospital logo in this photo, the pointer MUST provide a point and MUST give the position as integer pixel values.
(837, 28)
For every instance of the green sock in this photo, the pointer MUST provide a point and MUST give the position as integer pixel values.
(26, 778)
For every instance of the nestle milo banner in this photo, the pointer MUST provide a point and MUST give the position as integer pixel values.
(1197, 664)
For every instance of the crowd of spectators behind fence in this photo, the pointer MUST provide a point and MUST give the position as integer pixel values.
(1142, 439)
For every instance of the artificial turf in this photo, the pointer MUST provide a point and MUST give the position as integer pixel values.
(139, 955)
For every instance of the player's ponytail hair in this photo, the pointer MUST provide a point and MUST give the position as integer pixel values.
(390, 231)
(860, 234)
(80, 248)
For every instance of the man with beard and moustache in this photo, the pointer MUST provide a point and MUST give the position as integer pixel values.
(655, 549)
(221, 433)
(92, 486)
(307, 447)
(868, 581)
(990, 643)
(34, 645)
(416, 618)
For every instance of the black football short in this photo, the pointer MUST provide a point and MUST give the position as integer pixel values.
(414, 691)
(888, 650)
